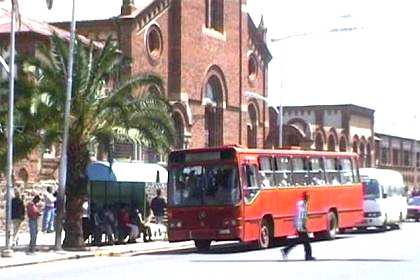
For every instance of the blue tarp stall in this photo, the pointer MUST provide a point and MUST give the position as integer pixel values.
(124, 182)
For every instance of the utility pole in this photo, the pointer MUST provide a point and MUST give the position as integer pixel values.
(61, 199)
(7, 252)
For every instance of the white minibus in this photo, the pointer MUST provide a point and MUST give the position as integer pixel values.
(385, 203)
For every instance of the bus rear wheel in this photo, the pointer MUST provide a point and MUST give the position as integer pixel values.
(265, 237)
(202, 245)
(332, 229)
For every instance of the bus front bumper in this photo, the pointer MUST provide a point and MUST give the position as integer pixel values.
(224, 234)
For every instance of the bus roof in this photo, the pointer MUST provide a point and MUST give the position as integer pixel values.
(244, 150)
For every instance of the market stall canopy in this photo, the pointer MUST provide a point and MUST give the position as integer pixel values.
(127, 172)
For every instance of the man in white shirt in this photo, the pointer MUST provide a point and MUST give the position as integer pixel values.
(49, 211)
(300, 220)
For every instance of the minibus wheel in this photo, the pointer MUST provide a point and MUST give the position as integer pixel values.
(202, 245)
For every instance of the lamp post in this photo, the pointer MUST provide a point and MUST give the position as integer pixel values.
(7, 252)
(61, 201)
(302, 34)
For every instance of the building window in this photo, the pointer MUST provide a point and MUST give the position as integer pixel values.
(252, 68)
(252, 126)
(179, 131)
(384, 155)
(319, 142)
(154, 43)
(214, 111)
(215, 15)
(407, 159)
(395, 156)
(418, 159)
(331, 143)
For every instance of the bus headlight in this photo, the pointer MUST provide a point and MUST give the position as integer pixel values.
(230, 222)
(175, 224)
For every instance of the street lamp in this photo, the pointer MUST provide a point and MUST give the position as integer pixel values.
(302, 34)
(61, 202)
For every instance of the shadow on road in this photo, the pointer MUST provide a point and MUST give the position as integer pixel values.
(317, 260)
(235, 247)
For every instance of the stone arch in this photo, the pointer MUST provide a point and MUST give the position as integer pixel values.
(180, 125)
(356, 144)
(369, 153)
(319, 140)
(252, 125)
(332, 140)
(362, 151)
(296, 133)
(343, 143)
(273, 134)
(213, 72)
(214, 100)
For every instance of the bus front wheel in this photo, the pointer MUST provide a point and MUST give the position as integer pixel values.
(265, 237)
(202, 245)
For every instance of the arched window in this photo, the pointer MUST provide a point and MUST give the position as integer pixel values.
(331, 143)
(179, 131)
(362, 154)
(343, 144)
(214, 111)
(319, 142)
(368, 155)
(215, 15)
(252, 127)
(154, 43)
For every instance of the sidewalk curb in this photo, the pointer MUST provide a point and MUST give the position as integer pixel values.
(103, 253)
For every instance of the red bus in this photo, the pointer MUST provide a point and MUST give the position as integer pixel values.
(234, 193)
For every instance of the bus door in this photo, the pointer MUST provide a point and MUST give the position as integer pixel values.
(251, 189)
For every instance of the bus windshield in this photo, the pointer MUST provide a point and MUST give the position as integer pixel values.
(371, 188)
(203, 185)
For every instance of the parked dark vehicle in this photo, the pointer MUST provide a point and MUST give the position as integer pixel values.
(413, 211)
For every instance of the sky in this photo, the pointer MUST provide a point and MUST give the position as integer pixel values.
(376, 65)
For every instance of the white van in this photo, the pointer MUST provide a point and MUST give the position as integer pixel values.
(385, 203)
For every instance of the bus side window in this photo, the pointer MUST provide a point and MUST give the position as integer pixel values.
(356, 175)
(316, 169)
(252, 186)
(283, 172)
(300, 172)
(346, 171)
(331, 169)
(266, 172)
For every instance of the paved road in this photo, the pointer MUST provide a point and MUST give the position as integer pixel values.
(368, 255)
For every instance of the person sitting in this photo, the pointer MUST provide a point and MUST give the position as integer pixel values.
(127, 225)
(97, 224)
(143, 225)
(109, 225)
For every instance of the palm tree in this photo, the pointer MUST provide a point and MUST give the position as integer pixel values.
(105, 108)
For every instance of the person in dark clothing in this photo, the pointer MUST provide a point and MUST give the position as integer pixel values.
(158, 206)
(18, 215)
(301, 228)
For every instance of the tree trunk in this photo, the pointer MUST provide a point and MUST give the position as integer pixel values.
(73, 222)
(76, 194)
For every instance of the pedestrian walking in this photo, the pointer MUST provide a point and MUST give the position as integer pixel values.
(48, 215)
(18, 215)
(300, 222)
(33, 215)
(158, 206)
